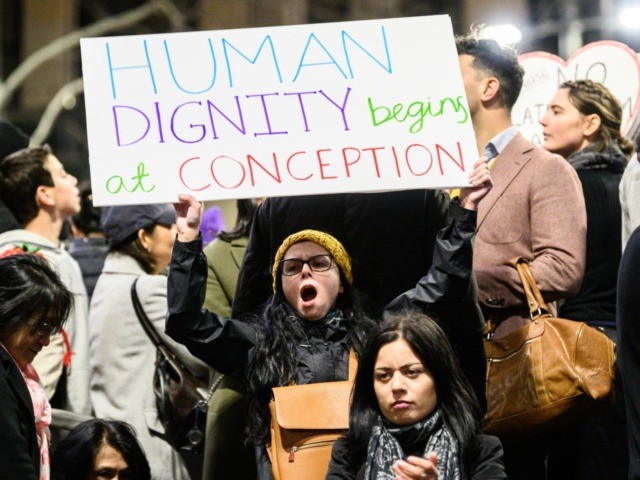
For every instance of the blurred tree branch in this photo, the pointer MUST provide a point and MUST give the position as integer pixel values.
(121, 21)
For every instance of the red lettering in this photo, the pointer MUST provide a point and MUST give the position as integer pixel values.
(347, 163)
(213, 173)
(322, 164)
(406, 157)
(182, 176)
(395, 158)
(289, 167)
(375, 157)
(251, 160)
(460, 164)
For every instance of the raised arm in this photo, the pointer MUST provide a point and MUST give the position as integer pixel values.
(448, 280)
(222, 343)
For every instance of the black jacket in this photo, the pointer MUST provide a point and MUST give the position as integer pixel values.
(90, 253)
(488, 465)
(381, 231)
(595, 303)
(227, 344)
(19, 451)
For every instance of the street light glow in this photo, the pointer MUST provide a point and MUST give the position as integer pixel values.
(503, 34)
(630, 17)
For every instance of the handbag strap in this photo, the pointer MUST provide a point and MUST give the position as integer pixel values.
(142, 316)
(537, 305)
(155, 338)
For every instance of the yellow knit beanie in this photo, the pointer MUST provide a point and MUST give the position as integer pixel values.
(331, 244)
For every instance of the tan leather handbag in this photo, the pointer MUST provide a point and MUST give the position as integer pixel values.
(547, 374)
(305, 422)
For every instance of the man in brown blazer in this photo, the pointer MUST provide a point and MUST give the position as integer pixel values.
(535, 210)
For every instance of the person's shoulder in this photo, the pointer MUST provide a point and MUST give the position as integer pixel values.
(152, 283)
(218, 245)
(544, 162)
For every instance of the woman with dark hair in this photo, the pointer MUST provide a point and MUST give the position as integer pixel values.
(225, 453)
(34, 304)
(122, 355)
(413, 414)
(582, 124)
(314, 317)
(99, 450)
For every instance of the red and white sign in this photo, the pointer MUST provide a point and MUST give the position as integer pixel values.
(612, 63)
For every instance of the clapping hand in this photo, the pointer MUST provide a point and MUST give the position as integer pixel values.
(417, 468)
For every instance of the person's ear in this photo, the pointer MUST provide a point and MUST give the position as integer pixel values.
(591, 125)
(341, 289)
(489, 88)
(44, 198)
(144, 239)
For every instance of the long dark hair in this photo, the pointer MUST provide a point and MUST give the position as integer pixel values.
(31, 293)
(74, 457)
(246, 208)
(431, 345)
(274, 362)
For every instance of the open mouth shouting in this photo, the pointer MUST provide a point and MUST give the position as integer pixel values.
(308, 293)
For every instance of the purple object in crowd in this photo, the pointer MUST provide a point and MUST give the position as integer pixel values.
(212, 223)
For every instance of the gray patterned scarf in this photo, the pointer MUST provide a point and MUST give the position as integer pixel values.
(387, 443)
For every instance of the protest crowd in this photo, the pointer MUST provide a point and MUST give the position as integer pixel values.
(409, 301)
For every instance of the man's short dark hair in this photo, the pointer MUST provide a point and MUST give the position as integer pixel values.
(492, 59)
(21, 173)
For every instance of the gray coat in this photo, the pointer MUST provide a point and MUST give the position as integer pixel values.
(123, 358)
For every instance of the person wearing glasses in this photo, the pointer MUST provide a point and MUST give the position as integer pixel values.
(314, 316)
(34, 303)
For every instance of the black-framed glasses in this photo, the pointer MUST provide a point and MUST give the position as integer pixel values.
(317, 263)
(45, 329)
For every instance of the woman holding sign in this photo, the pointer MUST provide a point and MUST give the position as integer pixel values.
(582, 123)
(314, 318)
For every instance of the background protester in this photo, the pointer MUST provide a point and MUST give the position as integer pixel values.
(630, 195)
(582, 123)
(122, 355)
(414, 414)
(34, 303)
(100, 449)
(226, 455)
(629, 346)
(535, 210)
(88, 245)
(12, 139)
(313, 318)
(42, 196)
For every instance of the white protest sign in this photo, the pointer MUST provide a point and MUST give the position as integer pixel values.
(611, 63)
(343, 107)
